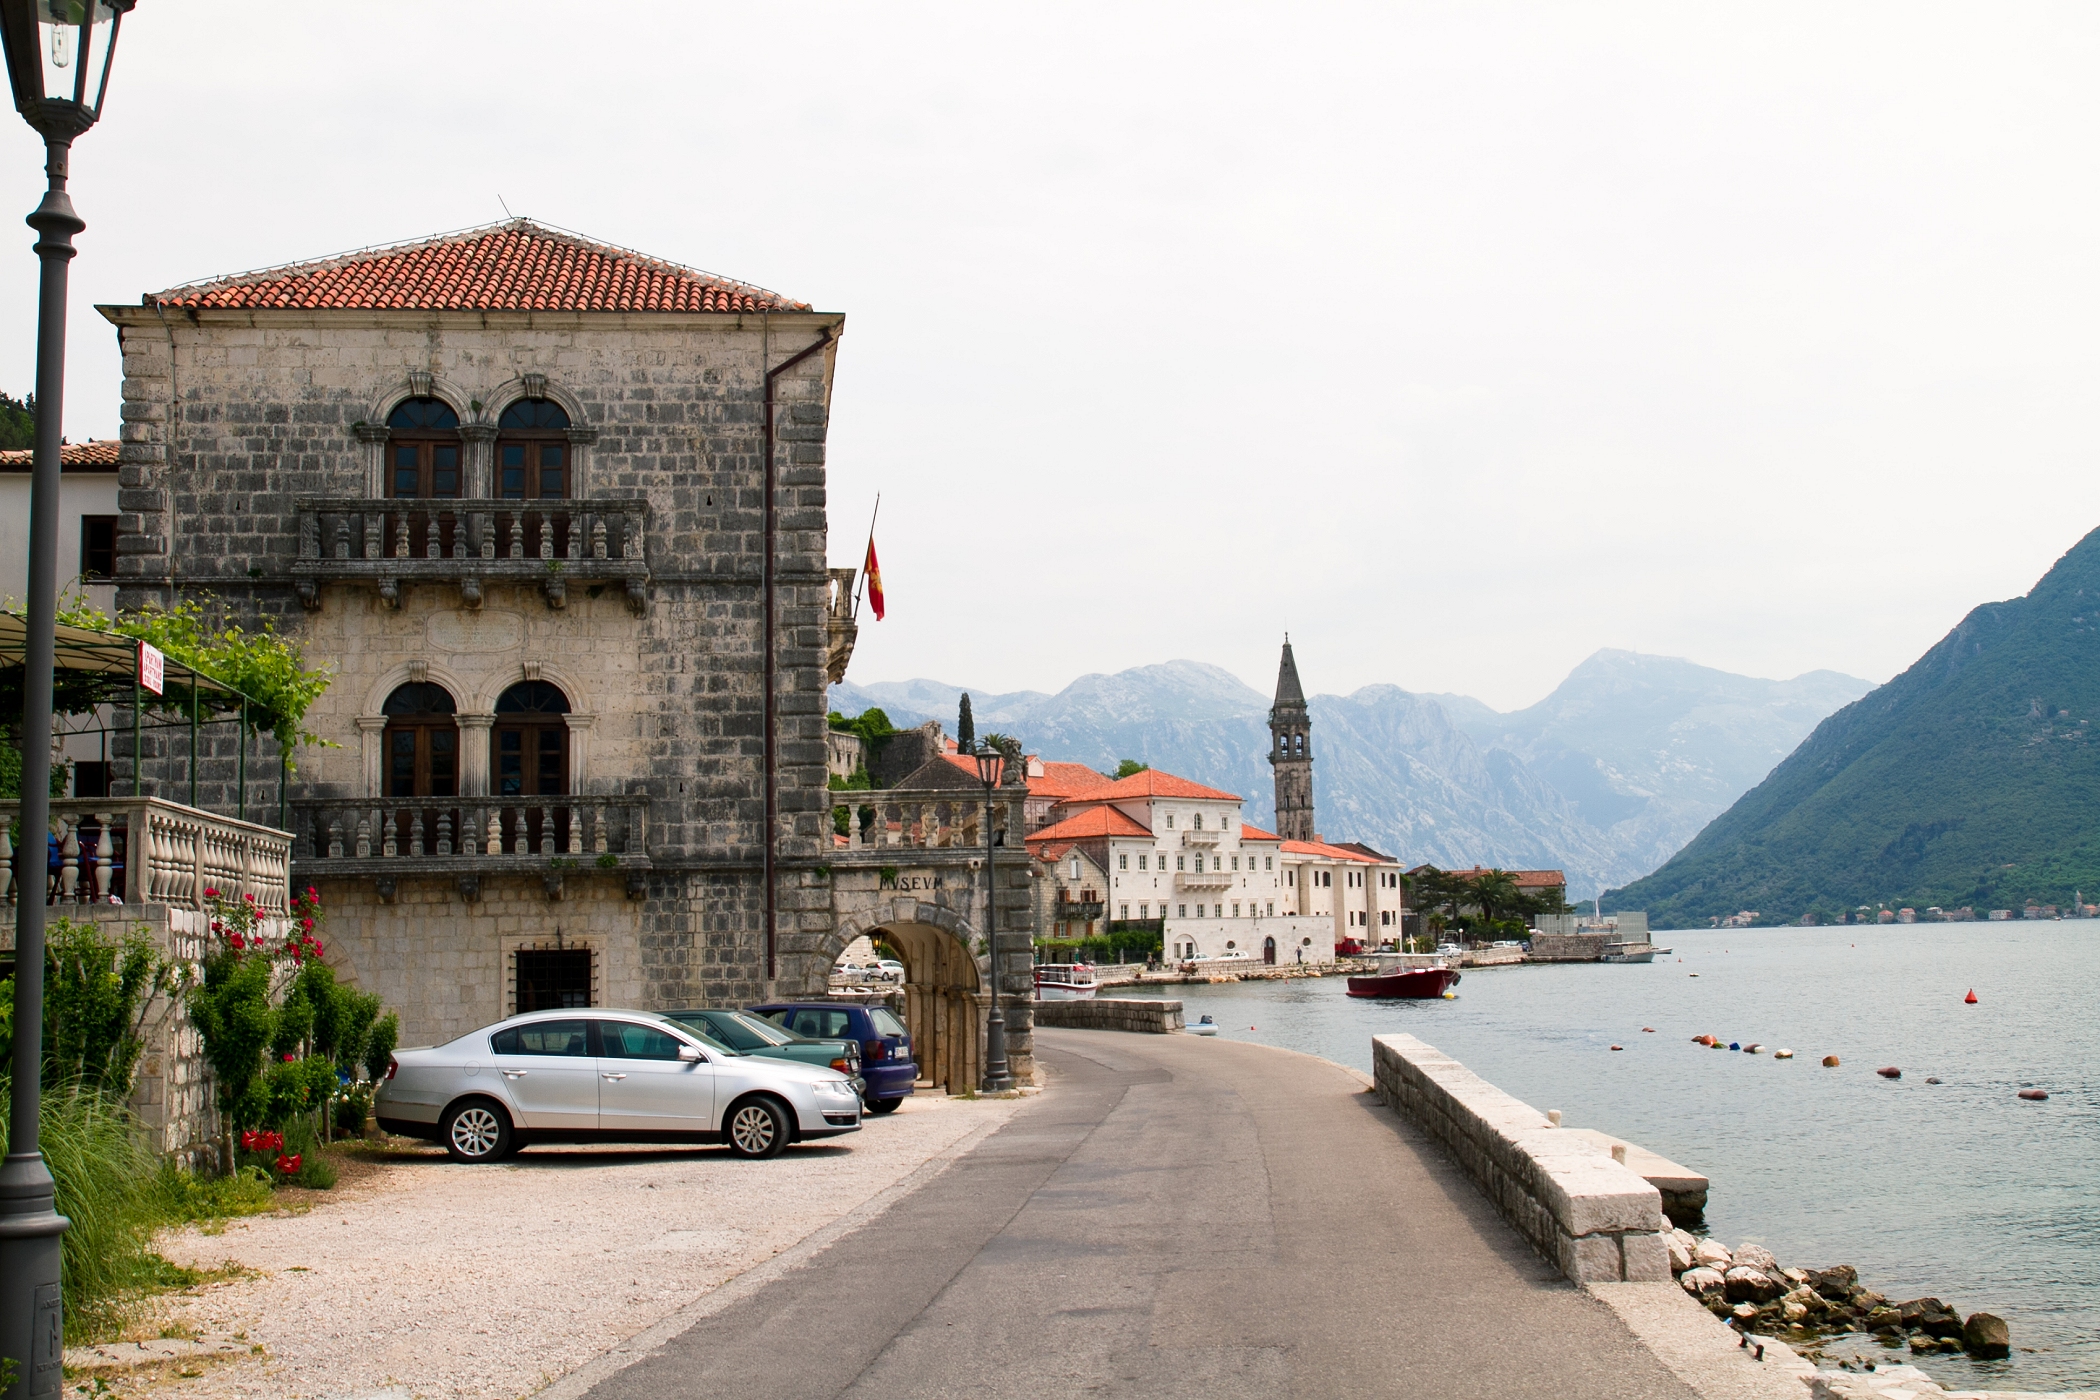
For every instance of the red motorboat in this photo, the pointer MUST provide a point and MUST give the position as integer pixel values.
(1418, 984)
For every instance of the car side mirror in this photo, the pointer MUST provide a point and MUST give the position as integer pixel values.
(688, 1053)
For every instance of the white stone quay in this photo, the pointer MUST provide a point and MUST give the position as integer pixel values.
(1597, 1220)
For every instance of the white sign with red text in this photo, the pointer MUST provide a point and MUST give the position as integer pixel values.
(152, 667)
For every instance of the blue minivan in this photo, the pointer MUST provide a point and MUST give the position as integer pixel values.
(885, 1046)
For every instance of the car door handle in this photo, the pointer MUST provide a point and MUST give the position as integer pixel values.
(515, 1073)
(615, 1076)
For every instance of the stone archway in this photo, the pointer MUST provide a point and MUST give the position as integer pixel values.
(944, 979)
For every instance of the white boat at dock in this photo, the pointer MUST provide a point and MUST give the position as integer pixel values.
(1065, 982)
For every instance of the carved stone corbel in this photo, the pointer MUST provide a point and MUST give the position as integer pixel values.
(385, 885)
(470, 886)
(637, 596)
(552, 880)
(310, 594)
(390, 592)
(637, 884)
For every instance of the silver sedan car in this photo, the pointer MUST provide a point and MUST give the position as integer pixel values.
(606, 1076)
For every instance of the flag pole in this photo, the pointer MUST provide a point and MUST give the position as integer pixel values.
(863, 588)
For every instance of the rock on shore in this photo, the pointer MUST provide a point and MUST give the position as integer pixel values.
(1748, 1287)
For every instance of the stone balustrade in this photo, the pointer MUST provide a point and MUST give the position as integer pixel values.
(1595, 1219)
(1202, 880)
(1200, 838)
(928, 820)
(468, 542)
(469, 837)
(1111, 1014)
(142, 850)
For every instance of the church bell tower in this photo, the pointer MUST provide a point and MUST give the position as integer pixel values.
(1290, 753)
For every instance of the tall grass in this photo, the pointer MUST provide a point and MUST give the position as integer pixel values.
(109, 1188)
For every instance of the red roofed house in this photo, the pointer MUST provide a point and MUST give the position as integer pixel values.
(1175, 854)
(555, 512)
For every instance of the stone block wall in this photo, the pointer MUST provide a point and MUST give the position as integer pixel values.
(1594, 1219)
(1570, 947)
(1111, 1014)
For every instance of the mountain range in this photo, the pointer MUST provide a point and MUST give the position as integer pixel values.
(1971, 779)
(1605, 778)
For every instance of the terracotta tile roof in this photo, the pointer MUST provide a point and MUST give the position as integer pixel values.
(90, 456)
(1052, 853)
(1057, 780)
(1091, 825)
(1153, 783)
(517, 265)
(1525, 879)
(1320, 850)
(1250, 832)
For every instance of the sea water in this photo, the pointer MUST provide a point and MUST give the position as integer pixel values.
(1958, 1190)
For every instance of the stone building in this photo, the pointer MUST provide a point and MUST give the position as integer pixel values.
(555, 513)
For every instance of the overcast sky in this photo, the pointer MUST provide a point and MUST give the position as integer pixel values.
(1458, 340)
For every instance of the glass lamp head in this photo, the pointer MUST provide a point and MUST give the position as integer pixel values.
(990, 764)
(58, 57)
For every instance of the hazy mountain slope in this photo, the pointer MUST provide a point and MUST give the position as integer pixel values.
(1649, 749)
(1969, 779)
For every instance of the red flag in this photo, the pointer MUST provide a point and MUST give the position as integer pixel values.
(872, 571)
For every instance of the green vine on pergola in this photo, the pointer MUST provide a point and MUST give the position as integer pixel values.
(259, 666)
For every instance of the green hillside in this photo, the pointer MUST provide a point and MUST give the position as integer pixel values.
(1971, 779)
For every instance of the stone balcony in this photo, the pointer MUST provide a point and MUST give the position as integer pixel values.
(1203, 879)
(1200, 838)
(466, 839)
(467, 543)
(1077, 911)
(142, 850)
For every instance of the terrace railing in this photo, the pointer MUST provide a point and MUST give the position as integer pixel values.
(385, 838)
(142, 850)
(927, 820)
(467, 542)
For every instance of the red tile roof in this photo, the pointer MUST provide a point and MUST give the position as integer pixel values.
(1153, 783)
(1091, 825)
(1250, 832)
(1320, 850)
(1057, 780)
(513, 266)
(90, 456)
(1525, 879)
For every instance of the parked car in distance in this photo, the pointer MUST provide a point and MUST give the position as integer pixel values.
(888, 968)
(885, 1046)
(606, 1076)
(754, 1035)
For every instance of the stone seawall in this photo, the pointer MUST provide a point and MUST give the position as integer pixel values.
(1111, 1014)
(1595, 1219)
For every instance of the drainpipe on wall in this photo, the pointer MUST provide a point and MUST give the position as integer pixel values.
(770, 666)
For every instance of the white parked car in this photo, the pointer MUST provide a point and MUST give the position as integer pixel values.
(888, 968)
(607, 1076)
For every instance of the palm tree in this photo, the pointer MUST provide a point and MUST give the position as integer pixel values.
(1491, 890)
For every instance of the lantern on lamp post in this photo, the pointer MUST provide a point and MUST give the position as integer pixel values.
(997, 1077)
(58, 56)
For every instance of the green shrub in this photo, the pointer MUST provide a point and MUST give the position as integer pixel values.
(183, 1197)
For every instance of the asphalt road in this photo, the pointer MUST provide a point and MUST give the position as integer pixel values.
(1178, 1217)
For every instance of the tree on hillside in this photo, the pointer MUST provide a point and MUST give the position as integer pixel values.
(965, 726)
(17, 423)
(1130, 766)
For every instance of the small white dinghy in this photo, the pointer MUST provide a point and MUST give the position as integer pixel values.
(1203, 1025)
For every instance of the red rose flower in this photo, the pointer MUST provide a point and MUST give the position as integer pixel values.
(211, 892)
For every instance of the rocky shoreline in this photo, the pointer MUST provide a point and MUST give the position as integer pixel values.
(1753, 1292)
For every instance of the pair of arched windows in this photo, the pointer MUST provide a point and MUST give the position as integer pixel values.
(528, 744)
(424, 451)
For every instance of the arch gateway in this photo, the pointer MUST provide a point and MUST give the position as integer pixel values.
(912, 875)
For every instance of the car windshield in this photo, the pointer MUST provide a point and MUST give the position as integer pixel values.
(884, 1021)
(706, 1034)
(734, 1028)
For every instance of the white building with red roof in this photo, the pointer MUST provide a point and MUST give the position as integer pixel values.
(1175, 853)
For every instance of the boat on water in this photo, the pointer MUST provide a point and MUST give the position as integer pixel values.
(1065, 982)
(1629, 953)
(1204, 1026)
(1415, 984)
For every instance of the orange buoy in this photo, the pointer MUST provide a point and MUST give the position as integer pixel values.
(1830, 1062)
(2036, 1095)
(1618, 1047)
(1647, 1030)
(1889, 1072)
(1971, 997)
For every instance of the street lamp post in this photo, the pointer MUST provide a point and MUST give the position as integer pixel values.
(58, 54)
(997, 1078)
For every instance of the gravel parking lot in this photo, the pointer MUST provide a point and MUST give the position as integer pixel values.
(416, 1277)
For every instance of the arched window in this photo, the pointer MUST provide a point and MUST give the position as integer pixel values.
(422, 742)
(532, 451)
(531, 738)
(423, 450)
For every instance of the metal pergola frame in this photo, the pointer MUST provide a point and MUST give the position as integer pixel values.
(92, 668)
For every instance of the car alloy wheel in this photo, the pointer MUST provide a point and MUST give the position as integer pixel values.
(756, 1129)
(476, 1132)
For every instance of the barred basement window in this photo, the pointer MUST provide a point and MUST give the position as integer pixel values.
(553, 979)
